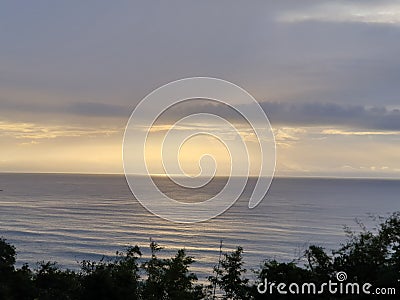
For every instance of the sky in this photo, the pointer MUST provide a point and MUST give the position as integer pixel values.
(326, 73)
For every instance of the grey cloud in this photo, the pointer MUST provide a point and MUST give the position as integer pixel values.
(357, 116)
(279, 113)
(111, 54)
(104, 50)
(88, 109)
(298, 114)
(98, 109)
(303, 114)
(381, 12)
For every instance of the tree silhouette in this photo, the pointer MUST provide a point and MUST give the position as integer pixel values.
(366, 256)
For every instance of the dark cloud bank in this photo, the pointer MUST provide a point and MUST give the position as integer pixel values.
(279, 113)
(374, 118)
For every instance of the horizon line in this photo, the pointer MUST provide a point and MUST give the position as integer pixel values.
(218, 176)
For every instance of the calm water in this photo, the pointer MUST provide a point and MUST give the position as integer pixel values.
(68, 218)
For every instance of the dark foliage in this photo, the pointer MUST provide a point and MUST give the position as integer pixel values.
(170, 278)
(366, 257)
(229, 276)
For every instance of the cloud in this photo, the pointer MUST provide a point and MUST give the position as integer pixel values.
(297, 114)
(280, 113)
(302, 114)
(82, 108)
(379, 12)
(286, 136)
(36, 131)
(97, 109)
(325, 114)
(358, 133)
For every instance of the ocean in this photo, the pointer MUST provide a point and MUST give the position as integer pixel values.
(69, 218)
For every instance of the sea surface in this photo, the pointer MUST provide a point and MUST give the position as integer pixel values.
(68, 218)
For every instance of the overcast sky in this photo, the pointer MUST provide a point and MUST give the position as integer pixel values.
(327, 73)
